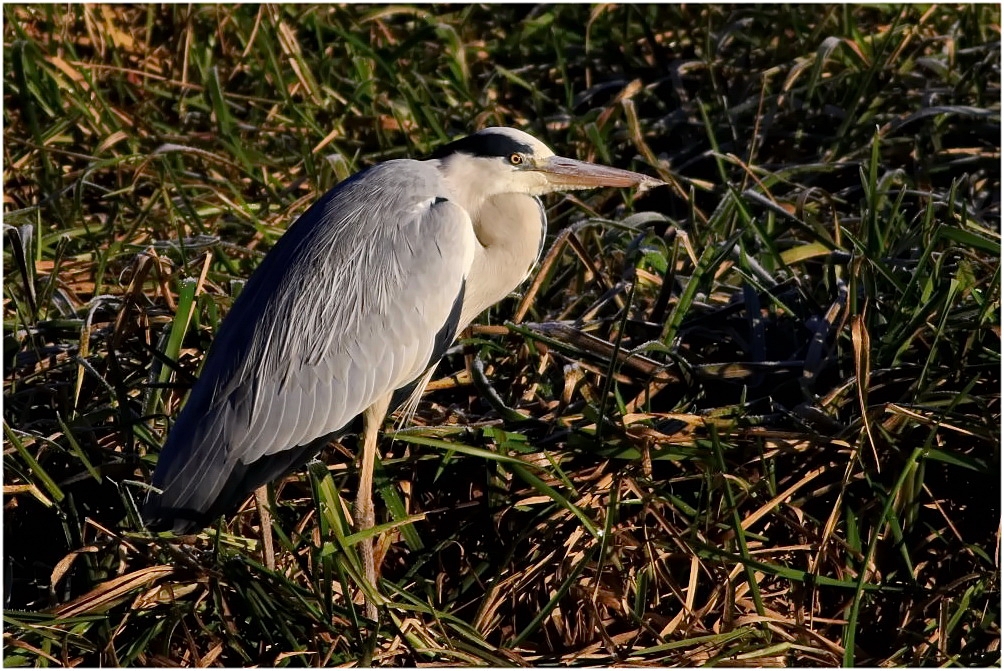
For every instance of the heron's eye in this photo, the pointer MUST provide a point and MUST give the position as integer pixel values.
(515, 159)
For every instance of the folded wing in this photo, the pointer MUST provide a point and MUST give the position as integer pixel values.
(356, 300)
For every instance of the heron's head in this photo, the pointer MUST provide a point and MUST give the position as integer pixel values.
(505, 160)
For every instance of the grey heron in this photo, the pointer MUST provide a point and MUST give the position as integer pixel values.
(357, 301)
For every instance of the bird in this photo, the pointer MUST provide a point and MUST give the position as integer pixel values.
(350, 312)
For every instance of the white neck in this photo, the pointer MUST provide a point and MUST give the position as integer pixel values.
(509, 227)
(508, 247)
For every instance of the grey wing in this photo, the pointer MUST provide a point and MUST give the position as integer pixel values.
(354, 302)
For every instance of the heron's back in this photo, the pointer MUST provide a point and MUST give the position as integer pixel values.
(351, 303)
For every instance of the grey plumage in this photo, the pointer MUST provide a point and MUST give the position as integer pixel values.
(279, 376)
(358, 300)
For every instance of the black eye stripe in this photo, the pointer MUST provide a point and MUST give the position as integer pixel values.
(487, 144)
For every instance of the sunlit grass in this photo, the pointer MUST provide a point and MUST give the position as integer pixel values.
(752, 417)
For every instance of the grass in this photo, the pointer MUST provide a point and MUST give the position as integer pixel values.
(751, 418)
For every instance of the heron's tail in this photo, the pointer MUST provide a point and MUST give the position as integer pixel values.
(201, 490)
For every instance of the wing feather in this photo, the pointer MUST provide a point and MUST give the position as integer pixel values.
(347, 307)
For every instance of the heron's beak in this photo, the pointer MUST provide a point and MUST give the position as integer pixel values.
(567, 173)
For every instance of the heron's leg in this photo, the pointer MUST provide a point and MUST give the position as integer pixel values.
(265, 515)
(373, 418)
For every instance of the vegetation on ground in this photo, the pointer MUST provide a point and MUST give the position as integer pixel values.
(749, 418)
